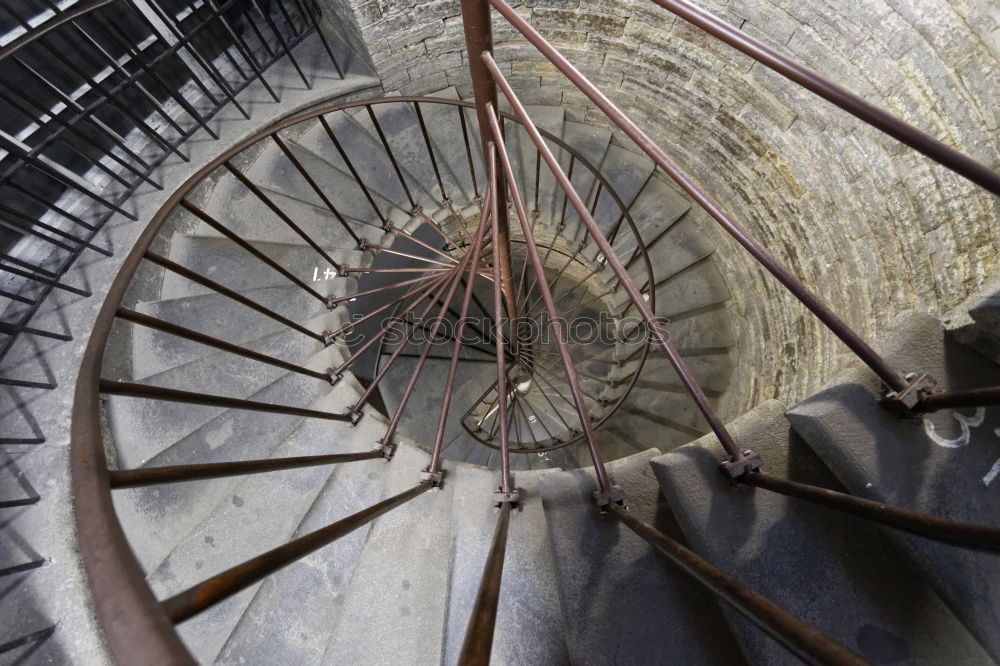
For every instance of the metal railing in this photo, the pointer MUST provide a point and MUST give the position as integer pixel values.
(96, 97)
(461, 255)
(504, 255)
(905, 394)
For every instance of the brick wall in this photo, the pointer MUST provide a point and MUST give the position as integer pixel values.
(872, 226)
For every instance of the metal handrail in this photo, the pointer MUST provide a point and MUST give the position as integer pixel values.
(80, 124)
(126, 607)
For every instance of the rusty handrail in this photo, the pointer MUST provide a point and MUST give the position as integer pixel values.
(801, 638)
(945, 530)
(128, 612)
(836, 94)
(478, 642)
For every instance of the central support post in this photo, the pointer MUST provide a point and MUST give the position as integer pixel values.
(479, 40)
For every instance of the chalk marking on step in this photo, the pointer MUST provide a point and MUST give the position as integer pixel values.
(966, 423)
(995, 470)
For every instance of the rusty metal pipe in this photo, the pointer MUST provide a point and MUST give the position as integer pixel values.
(132, 390)
(603, 480)
(148, 476)
(449, 387)
(479, 635)
(981, 397)
(940, 529)
(208, 340)
(206, 594)
(802, 639)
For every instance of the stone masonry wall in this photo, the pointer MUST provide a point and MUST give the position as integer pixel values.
(870, 225)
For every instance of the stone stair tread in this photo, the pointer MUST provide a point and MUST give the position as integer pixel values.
(222, 317)
(627, 172)
(402, 130)
(398, 591)
(445, 132)
(605, 571)
(656, 208)
(246, 215)
(592, 144)
(231, 435)
(155, 352)
(294, 611)
(366, 154)
(225, 262)
(264, 512)
(850, 582)
(939, 464)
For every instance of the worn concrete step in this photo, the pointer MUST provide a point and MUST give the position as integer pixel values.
(591, 143)
(367, 156)
(523, 153)
(227, 263)
(655, 210)
(233, 205)
(627, 172)
(263, 512)
(397, 596)
(231, 435)
(851, 583)
(292, 614)
(605, 571)
(979, 324)
(529, 624)
(445, 131)
(154, 351)
(402, 130)
(222, 317)
(943, 464)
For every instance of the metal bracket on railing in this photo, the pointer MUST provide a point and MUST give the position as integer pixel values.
(329, 337)
(354, 416)
(748, 462)
(388, 450)
(334, 377)
(436, 479)
(902, 403)
(605, 497)
(363, 244)
(513, 498)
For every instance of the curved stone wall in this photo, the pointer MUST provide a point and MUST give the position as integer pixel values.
(872, 226)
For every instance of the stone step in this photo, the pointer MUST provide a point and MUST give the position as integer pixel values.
(227, 263)
(850, 582)
(621, 601)
(263, 513)
(655, 210)
(292, 614)
(402, 129)
(398, 594)
(627, 172)
(448, 141)
(367, 156)
(941, 464)
(233, 205)
(229, 435)
(591, 143)
(222, 317)
(155, 352)
(529, 625)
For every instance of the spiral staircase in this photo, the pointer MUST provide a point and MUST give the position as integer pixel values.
(242, 392)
